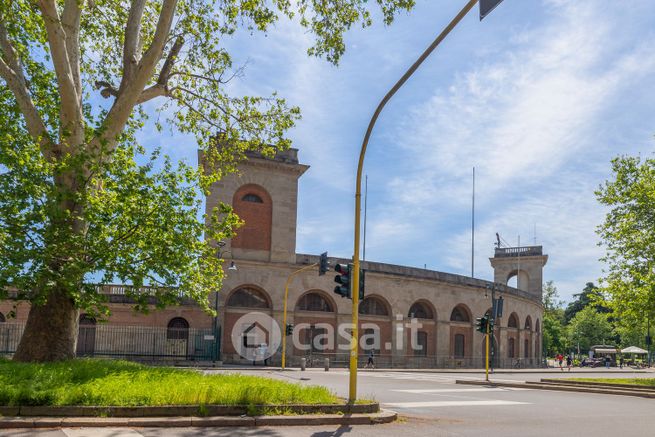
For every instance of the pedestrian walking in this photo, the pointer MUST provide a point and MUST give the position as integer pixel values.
(369, 363)
(569, 362)
(621, 363)
(560, 359)
(608, 361)
(263, 353)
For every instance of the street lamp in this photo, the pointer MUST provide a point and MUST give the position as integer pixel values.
(485, 7)
(233, 267)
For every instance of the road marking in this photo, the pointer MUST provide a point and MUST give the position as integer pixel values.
(100, 432)
(452, 404)
(460, 390)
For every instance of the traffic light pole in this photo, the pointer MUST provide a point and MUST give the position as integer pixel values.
(284, 317)
(352, 396)
(486, 354)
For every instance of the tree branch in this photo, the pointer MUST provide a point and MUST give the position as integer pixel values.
(152, 92)
(70, 20)
(130, 93)
(71, 108)
(12, 72)
(131, 45)
(170, 60)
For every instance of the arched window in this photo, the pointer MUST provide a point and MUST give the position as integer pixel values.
(513, 321)
(247, 297)
(528, 323)
(459, 314)
(420, 311)
(2, 318)
(250, 197)
(373, 306)
(178, 329)
(314, 302)
(459, 345)
(510, 348)
(536, 326)
(254, 206)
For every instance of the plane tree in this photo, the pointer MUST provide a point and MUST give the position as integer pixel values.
(79, 197)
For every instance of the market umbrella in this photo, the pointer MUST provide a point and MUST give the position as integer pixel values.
(633, 350)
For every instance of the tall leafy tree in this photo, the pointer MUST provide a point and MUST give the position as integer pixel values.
(554, 334)
(589, 327)
(628, 234)
(591, 295)
(74, 203)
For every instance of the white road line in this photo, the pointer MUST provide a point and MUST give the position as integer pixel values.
(460, 390)
(451, 404)
(100, 432)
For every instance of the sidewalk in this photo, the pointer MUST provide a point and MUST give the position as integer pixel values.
(585, 370)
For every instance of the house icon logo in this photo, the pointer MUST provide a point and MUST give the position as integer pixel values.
(256, 336)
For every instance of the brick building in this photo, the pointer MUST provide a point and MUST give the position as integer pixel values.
(264, 194)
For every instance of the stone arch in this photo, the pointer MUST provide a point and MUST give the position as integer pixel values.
(375, 305)
(528, 323)
(177, 329)
(316, 301)
(513, 321)
(422, 309)
(426, 336)
(522, 279)
(253, 204)
(461, 336)
(248, 296)
(461, 313)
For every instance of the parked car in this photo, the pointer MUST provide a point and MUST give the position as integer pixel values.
(592, 362)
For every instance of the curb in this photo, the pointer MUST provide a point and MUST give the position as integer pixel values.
(384, 416)
(553, 387)
(471, 371)
(184, 410)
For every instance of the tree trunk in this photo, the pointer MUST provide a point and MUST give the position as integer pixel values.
(51, 330)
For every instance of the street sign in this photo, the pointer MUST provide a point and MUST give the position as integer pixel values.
(486, 6)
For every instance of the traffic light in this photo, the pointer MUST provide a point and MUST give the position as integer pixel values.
(289, 329)
(323, 264)
(481, 324)
(343, 279)
(362, 283)
(491, 325)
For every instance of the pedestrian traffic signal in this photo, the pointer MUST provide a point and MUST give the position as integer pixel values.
(343, 279)
(481, 323)
(323, 264)
(289, 329)
(490, 322)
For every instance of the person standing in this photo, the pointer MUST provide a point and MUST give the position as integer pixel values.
(621, 362)
(608, 361)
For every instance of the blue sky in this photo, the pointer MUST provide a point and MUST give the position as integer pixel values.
(538, 97)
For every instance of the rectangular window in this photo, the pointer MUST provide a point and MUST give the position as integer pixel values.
(422, 344)
(459, 345)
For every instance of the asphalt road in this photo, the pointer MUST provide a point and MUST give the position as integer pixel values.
(432, 404)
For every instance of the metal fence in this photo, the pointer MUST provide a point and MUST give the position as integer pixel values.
(139, 343)
(341, 360)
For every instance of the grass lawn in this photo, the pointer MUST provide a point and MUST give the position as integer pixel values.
(647, 382)
(122, 383)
